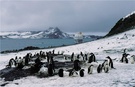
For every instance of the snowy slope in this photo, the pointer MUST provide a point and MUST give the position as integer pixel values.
(122, 76)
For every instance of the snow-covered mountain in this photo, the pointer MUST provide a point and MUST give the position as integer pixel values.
(51, 33)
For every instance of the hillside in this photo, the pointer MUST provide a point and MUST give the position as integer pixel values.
(124, 24)
(122, 76)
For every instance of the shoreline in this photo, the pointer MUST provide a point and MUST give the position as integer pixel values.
(38, 48)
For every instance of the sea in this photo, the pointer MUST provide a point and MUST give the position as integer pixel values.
(16, 44)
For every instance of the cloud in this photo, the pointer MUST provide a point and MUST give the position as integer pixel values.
(69, 16)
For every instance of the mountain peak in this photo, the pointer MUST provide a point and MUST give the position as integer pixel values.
(124, 24)
(55, 33)
(53, 30)
(129, 15)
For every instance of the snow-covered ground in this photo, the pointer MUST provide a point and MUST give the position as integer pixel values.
(122, 76)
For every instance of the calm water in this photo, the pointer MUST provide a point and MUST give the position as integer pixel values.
(12, 44)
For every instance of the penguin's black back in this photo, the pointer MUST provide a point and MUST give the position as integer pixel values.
(82, 73)
(99, 68)
(60, 73)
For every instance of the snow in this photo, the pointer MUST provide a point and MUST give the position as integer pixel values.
(122, 76)
(8, 33)
(129, 15)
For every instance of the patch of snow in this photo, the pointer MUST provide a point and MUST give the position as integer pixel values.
(129, 15)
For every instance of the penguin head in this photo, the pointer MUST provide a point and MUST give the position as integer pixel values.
(100, 65)
(82, 70)
(91, 53)
(133, 56)
(106, 60)
(91, 65)
(108, 57)
(127, 54)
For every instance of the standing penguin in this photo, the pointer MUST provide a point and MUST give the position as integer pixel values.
(20, 63)
(92, 58)
(110, 62)
(82, 73)
(90, 69)
(77, 65)
(72, 56)
(124, 58)
(105, 66)
(99, 68)
(11, 63)
(27, 59)
(60, 73)
(132, 59)
(50, 70)
(86, 57)
(82, 56)
(72, 72)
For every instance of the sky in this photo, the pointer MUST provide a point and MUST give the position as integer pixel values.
(68, 15)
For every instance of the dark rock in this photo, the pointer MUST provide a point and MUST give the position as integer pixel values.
(124, 24)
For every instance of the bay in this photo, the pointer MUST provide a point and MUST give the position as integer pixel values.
(13, 44)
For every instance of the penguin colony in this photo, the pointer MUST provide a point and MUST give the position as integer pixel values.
(49, 69)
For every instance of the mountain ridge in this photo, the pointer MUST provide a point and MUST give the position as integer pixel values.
(51, 33)
(124, 24)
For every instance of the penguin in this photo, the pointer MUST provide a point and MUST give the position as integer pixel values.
(27, 59)
(20, 63)
(82, 73)
(82, 56)
(90, 69)
(23, 61)
(11, 63)
(124, 58)
(60, 73)
(37, 60)
(106, 68)
(53, 51)
(99, 68)
(78, 56)
(132, 59)
(73, 72)
(43, 71)
(72, 56)
(86, 57)
(50, 70)
(110, 62)
(76, 65)
(92, 58)
(104, 64)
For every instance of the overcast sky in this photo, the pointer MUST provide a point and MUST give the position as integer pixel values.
(68, 15)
